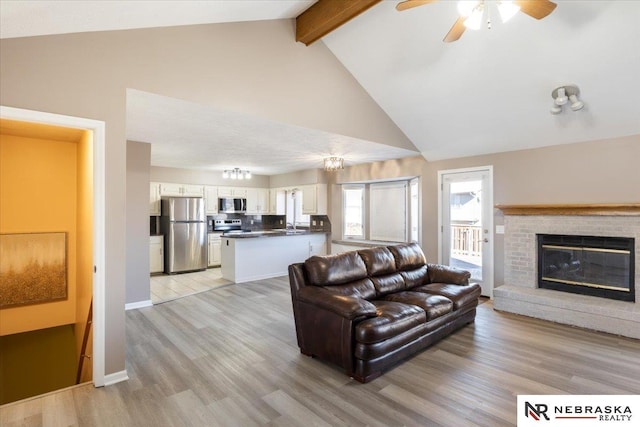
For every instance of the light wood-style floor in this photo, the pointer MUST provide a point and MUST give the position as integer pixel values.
(168, 287)
(228, 357)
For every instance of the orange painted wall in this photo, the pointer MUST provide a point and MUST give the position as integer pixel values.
(38, 193)
(84, 274)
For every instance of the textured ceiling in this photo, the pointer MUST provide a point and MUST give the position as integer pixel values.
(38, 17)
(186, 134)
(488, 92)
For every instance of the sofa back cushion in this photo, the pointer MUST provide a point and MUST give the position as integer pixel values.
(388, 283)
(417, 277)
(378, 260)
(331, 270)
(408, 256)
(362, 288)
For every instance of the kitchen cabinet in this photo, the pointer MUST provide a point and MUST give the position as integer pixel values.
(215, 243)
(167, 189)
(181, 190)
(154, 199)
(256, 258)
(156, 254)
(193, 190)
(211, 199)
(257, 201)
(237, 192)
(277, 198)
(314, 199)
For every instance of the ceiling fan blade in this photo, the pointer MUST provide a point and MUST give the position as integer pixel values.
(456, 31)
(408, 4)
(536, 8)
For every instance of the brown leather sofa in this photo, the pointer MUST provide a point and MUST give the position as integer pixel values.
(367, 310)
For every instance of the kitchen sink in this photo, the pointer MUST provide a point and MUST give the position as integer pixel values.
(296, 231)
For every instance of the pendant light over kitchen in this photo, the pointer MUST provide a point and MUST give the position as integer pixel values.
(332, 164)
(236, 173)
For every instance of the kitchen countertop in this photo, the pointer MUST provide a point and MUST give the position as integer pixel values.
(271, 233)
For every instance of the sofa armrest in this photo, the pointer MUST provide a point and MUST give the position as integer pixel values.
(439, 273)
(344, 306)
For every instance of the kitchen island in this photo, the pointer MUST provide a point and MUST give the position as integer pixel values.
(265, 254)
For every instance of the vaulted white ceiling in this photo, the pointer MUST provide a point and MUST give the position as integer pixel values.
(488, 92)
(491, 90)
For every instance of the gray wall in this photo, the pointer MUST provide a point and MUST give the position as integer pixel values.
(309, 176)
(252, 67)
(603, 171)
(137, 272)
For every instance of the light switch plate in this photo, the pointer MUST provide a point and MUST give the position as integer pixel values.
(499, 229)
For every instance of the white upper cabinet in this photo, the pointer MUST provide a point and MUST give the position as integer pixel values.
(260, 201)
(232, 192)
(193, 190)
(154, 199)
(257, 200)
(314, 199)
(211, 199)
(277, 200)
(168, 189)
(181, 190)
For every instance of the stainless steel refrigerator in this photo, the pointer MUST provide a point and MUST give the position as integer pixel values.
(184, 225)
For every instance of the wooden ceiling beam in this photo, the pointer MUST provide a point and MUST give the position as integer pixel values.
(325, 16)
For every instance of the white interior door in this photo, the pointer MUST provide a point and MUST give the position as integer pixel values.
(466, 221)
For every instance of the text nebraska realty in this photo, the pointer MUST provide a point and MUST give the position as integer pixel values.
(601, 413)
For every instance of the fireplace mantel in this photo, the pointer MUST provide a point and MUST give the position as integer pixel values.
(610, 209)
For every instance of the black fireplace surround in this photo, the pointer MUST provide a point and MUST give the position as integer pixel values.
(587, 265)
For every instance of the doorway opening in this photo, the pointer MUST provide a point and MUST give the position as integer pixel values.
(86, 237)
(466, 221)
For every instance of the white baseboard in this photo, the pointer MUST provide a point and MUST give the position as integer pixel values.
(116, 377)
(139, 304)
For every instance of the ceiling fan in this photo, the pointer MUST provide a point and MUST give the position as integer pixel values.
(472, 12)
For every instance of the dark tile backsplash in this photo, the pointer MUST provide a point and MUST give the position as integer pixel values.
(263, 222)
(320, 223)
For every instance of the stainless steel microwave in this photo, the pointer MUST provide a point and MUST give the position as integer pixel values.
(232, 205)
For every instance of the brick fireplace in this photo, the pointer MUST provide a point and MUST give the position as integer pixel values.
(521, 293)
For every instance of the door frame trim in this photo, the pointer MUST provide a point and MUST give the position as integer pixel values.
(490, 220)
(99, 257)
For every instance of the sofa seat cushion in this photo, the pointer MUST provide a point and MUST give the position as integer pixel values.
(392, 319)
(433, 305)
(382, 348)
(460, 295)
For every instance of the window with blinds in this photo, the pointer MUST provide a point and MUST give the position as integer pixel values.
(388, 211)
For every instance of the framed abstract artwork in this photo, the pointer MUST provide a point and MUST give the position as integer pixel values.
(33, 268)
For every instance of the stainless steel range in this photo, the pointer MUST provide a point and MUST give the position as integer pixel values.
(227, 225)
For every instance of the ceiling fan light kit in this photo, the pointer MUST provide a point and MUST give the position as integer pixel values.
(472, 12)
(507, 10)
(562, 95)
